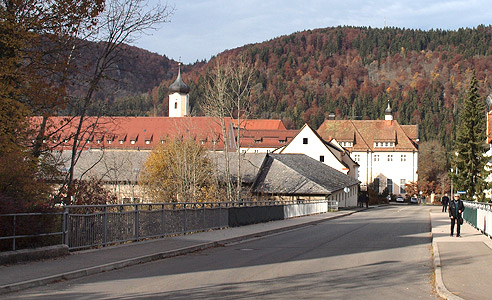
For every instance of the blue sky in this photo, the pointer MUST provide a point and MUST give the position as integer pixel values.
(200, 29)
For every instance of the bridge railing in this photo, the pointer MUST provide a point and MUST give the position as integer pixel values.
(86, 226)
(25, 230)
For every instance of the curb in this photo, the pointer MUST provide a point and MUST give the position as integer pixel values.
(15, 287)
(24, 255)
(438, 282)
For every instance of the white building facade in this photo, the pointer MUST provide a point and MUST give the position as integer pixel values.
(387, 152)
(308, 142)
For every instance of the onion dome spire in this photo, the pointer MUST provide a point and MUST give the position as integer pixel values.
(388, 109)
(388, 113)
(179, 86)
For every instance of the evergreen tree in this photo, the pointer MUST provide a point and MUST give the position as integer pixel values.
(469, 160)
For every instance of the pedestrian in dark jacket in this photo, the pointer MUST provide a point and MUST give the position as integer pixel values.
(445, 202)
(456, 208)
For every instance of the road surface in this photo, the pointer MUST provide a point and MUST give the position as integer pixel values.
(380, 253)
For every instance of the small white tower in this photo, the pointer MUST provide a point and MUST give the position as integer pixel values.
(388, 116)
(179, 100)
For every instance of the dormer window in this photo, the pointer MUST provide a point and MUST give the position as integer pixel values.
(147, 142)
(98, 141)
(282, 141)
(132, 142)
(347, 144)
(121, 142)
(384, 144)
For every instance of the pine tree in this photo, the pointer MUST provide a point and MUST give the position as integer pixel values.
(469, 157)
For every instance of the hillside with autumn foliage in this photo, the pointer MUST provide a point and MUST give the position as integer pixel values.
(352, 72)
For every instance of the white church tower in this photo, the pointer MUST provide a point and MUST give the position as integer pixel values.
(179, 100)
(388, 115)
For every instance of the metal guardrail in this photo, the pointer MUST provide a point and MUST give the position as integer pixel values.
(86, 226)
(13, 231)
(89, 226)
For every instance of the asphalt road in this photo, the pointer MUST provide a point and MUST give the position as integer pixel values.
(382, 253)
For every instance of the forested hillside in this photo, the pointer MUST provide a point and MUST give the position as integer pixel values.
(352, 72)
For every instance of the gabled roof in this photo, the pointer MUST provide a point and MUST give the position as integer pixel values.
(108, 166)
(412, 131)
(256, 124)
(138, 132)
(250, 165)
(298, 174)
(334, 149)
(363, 134)
(256, 138)
(297, 132)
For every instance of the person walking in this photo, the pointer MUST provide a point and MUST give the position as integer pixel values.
(445, 202)
(360, 200)
(456, 208)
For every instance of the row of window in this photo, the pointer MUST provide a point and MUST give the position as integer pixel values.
(121, 142)
(384, 144)
(389, 157)
(351, 144)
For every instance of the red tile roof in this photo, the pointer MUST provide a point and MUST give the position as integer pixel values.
(136, 132)
(266, 138)
(364, 133)
(254, 124)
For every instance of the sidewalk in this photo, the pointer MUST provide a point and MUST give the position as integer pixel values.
(463, 265)
(82, 263)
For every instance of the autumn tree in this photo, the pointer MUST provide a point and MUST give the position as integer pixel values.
(122, 21)
(90, 191)
(432, 167)
(34, 60)
(227, 96)
(470, 160)
(179, 171)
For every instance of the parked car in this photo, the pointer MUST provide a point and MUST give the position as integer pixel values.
(414, 200)
(400, 199)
